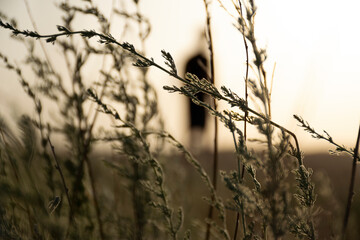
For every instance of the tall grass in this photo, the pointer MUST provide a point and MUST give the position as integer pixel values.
(47, 194)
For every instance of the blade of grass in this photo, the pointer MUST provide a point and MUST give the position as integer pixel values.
(351, 186)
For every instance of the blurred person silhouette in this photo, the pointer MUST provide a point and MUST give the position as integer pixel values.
(197, 64)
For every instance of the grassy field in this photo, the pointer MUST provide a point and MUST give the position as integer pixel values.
(331, 176)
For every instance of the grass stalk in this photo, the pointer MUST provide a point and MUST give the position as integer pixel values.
(103, 63)
(66, 189)
(33, 23)
(245, 121)
(96, 202)
(215, 149)
(351, 186)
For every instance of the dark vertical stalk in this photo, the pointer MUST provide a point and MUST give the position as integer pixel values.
(137, 205)
(351, 187)
(57, 166)
(245, 126)
(96, 203)
(215, 150)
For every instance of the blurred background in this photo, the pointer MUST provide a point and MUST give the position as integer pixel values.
(314, 45)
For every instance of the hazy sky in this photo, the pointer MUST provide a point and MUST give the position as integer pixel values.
(315, 45)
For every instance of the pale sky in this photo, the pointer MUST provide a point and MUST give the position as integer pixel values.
(315, 45)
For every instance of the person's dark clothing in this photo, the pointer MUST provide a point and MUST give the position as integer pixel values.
(197, 65)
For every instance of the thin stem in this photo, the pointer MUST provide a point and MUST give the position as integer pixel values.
(36, 29)
(245, 123)
(328, 138)
(103, 86)
(57, 166)
(351, 187)
(215, 150)
(240, 177)
(96, 203)
(226, 10)
(272, 82)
